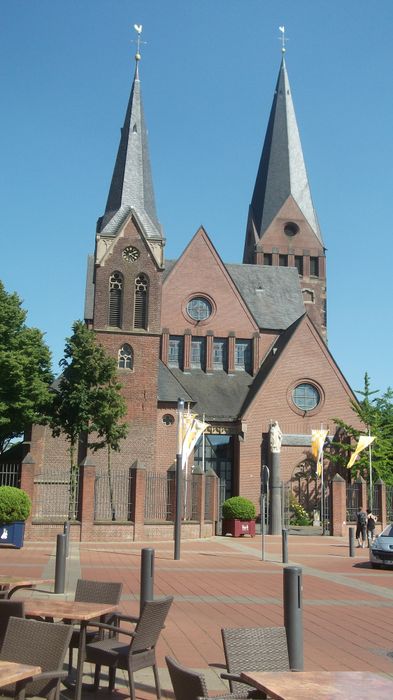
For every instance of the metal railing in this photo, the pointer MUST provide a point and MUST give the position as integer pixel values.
(159, 496)
(117, 506)
(51, 495)
(353, 501)
(10, 475)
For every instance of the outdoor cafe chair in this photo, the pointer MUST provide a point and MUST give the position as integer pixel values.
(253, 649)
(41, 644)
(133, 655)
(190, 685)
(9, 608)
(93, 592)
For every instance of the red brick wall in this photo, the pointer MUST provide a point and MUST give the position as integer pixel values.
(305, 358)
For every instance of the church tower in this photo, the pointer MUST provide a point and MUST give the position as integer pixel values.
(282, 226)
(123, 293)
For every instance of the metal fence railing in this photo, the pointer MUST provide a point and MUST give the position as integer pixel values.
(51, 490)
(389, 503)
(159, 496)
(10, 475)
(353, 501)
(118, 505)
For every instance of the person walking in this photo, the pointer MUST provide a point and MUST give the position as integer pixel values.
(371, 520)
(361, 527)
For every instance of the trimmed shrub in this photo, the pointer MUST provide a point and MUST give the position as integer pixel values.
(238, 508)
(15, 505)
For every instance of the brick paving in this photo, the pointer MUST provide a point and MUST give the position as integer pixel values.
(224, 582)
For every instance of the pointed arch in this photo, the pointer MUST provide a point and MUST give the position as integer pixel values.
(115, 299)
(141, 299)
(125, 357)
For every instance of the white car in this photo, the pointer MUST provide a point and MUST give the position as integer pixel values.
(381, 549)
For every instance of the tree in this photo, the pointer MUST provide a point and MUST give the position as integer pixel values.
(375, 411)
(82, 404)
(25, 371)
(111, 408)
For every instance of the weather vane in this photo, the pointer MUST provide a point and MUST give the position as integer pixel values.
(283, 39)
(138, 28)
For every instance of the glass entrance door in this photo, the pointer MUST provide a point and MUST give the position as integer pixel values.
(218, 457)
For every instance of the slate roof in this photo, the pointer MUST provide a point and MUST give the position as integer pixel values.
(272, 294)
(217, 395)
(89, 291)
(132, 184)
(282, 171)
(170, 389)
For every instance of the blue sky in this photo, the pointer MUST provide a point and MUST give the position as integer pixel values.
(208, 73)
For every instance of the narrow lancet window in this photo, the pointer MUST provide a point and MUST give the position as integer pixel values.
(141, 302)
(115, 299)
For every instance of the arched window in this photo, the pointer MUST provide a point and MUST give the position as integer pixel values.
(115, 299)
(125, 359)
(140, 303)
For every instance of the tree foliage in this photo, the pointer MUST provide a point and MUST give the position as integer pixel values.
(25, 373)
(375, 411)
(87, 399)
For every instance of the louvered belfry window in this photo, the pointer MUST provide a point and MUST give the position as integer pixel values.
(115, 299)
(140, 304)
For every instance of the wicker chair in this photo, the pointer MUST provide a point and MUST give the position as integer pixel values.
(9, 608)
(93, 592)
(253, 649)
(190, 685)
(138, 653)
(42, 644)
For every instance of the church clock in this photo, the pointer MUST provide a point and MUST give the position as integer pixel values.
(130, 254)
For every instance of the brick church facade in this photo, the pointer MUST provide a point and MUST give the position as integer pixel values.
(243, 344)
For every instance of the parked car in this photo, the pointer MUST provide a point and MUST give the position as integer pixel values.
(381, 549)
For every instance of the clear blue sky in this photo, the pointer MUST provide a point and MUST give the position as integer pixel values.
(208, 73)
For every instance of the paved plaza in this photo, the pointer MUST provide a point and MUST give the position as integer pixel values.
(223, 582)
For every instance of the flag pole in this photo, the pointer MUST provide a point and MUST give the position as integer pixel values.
(178, 500)
(371, 474)
(203, 445)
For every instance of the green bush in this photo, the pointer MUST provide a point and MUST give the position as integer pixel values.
(15, 505)
(299, 514)
(238, 508)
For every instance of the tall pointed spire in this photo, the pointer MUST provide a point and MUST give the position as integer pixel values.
(132, 184)
(282, 171)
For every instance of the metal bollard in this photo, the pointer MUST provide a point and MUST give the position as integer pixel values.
(293, 616)
(285, 546)
(60, 564)
(66, 532)
(147, 577)
(351, 532)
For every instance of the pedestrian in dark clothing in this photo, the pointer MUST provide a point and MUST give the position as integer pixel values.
(371, 520)
(361, 527)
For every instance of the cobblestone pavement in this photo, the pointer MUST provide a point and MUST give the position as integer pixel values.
(347, 606)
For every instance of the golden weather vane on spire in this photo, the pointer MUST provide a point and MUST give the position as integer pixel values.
(282, 38)
(138, 28)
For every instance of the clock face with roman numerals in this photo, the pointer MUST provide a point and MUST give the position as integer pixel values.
(130, 254)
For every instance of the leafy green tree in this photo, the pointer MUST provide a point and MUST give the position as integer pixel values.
(111, 408)
(82, 404)
(25, 371)
(375, 411)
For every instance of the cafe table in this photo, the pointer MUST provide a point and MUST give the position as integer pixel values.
(10, 584)
(70, 611)
(324, 685)
(13, 672)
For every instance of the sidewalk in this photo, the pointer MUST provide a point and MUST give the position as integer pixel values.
(223, 582)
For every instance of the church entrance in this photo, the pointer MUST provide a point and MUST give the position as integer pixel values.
(216, 452)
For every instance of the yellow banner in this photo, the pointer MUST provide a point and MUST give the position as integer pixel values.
(195, 429)
(363, 442)
(318, 438)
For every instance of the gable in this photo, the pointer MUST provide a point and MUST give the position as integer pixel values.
(200, 272)
(303, 358)
(305, 238)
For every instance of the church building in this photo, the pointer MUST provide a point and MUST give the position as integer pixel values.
(244, 345)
